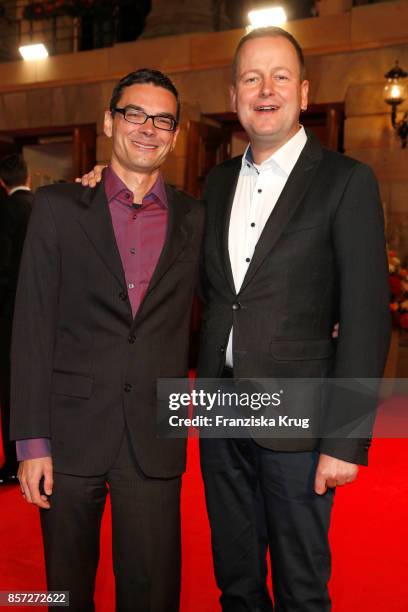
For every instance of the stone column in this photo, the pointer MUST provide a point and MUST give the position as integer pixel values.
(8, 38)
(170, 17)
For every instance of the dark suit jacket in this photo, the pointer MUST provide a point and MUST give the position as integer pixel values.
(14, 216)
(320, 259)
(81, 366)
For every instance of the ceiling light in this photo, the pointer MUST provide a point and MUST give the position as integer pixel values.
(264, 18)
(33, 52)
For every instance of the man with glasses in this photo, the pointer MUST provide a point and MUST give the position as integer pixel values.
(102, 311)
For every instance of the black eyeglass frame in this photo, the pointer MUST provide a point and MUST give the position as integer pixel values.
(122, 111)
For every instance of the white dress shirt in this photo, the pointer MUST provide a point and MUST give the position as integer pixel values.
(258, 189)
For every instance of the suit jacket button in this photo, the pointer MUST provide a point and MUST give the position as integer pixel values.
(127, 387)
(222, 349)
(236, 306)
(123, 295)
(132, 339)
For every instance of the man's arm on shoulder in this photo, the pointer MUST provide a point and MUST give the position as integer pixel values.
(92, 178)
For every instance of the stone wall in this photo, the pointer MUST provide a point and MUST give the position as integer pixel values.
(347, 56)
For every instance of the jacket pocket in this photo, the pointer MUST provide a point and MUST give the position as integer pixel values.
(311, 225)
(301, 350)
(74, 385)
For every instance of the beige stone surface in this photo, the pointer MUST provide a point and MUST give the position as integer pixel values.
(333, 7)
(370, 131)
(172, 53)
(388, 164)
(345, 76)
(89, 103)
(384, 21)
(59, 111)
(378, 25)
(384, 186)
(105, 92)
(399, 197)
(12, 73)
(214, 48)
(40, 106)
(329, 33)
(206, 88)
(15, 110)
(368, 99)
(84, 66)
(347, 56)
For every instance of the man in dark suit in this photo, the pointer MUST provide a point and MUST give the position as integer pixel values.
(14, 216)
(102, 311)
(293, 244)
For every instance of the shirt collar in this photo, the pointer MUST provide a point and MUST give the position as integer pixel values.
(19, 188)
(282, 160)
(116, 189)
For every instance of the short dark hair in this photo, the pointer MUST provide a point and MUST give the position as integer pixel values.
(13, 170)
(144, 75)
(273, 32)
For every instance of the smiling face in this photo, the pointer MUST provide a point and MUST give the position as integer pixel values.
(143, 148)
(268, 94)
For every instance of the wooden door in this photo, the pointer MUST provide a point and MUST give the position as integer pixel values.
(207, 146)
(84, 149)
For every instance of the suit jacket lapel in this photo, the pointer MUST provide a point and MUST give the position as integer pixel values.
(226, 199)
(176, 236)
(289, 200)
(96, 221)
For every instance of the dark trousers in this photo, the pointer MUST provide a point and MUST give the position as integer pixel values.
(145, 537)
(257, 498)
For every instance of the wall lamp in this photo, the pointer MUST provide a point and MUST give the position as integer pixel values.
(394, 94)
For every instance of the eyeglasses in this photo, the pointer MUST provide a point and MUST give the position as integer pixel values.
(134, 115)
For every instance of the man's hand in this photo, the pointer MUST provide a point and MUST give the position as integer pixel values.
(30, 473)
(92, 178)
(335, 332)
(332, 472)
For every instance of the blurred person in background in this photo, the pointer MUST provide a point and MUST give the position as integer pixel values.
(15, 213)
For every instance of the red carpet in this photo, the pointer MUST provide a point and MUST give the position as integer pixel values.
(369, 538)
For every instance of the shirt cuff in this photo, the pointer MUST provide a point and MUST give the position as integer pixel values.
(33, 448)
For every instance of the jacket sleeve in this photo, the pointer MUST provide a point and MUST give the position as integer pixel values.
(34, 325)
(33, 448)
(365, 326)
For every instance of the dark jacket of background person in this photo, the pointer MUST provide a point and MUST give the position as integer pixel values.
(14, 216)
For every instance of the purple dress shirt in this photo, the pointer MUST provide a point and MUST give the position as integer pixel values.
(140, 232)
